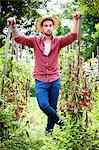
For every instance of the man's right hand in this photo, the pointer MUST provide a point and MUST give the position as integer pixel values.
(11, 21)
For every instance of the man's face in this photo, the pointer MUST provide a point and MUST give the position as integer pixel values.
(48, 27)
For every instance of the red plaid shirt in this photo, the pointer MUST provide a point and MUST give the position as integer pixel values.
(46, 67)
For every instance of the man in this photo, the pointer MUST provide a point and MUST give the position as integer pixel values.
(46, 71)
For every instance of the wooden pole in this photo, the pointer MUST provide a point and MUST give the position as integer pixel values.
(6, 57)
(98, 58)
(20, 51)
(73, 46)
(17, 48)
(79, 42)
(12, 47)
(7, 48)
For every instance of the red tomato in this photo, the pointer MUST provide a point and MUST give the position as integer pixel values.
(81, 103)
(85, 93)
(70, 104)
(20, 108)
(87, 100)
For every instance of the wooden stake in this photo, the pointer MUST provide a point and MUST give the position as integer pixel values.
(6, 57)
(98, 58)
(79, 41)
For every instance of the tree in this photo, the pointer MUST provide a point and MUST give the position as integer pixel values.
(90, 18)
(18, 9)
(91, 6)
(88, 29)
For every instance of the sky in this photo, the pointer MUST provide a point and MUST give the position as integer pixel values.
(54, 7)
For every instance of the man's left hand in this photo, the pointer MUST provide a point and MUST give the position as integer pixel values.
(77, 15)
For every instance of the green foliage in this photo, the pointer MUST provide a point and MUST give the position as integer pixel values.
(90, 17)
(75, 137)
(16, 77)
(21, 135)
(13, 135)
(89, 33)
(62, 30)
(66, 15)
(76, 89)
(66, 59)
(95, 35)
(15, 81)
(32, 91)
(18, 8)
(91, 6)
(27, 132)
(89, 44)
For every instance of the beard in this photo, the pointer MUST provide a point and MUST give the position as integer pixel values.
(48, 33)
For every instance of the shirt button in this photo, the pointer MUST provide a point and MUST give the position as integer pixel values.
(47, 70)
(46, 63)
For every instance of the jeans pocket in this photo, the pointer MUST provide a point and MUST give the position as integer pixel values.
(39, 86)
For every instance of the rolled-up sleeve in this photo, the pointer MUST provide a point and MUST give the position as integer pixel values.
(68, 39)
(25, 40)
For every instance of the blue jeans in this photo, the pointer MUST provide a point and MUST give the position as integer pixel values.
(47, 97)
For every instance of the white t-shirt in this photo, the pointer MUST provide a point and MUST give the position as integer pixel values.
(47, 48)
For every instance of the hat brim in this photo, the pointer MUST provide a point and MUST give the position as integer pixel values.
(39, 22)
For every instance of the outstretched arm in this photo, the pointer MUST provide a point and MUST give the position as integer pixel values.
(76, 22)
(72, 36)
(24, 40)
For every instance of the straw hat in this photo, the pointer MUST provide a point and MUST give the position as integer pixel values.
(39, 22)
